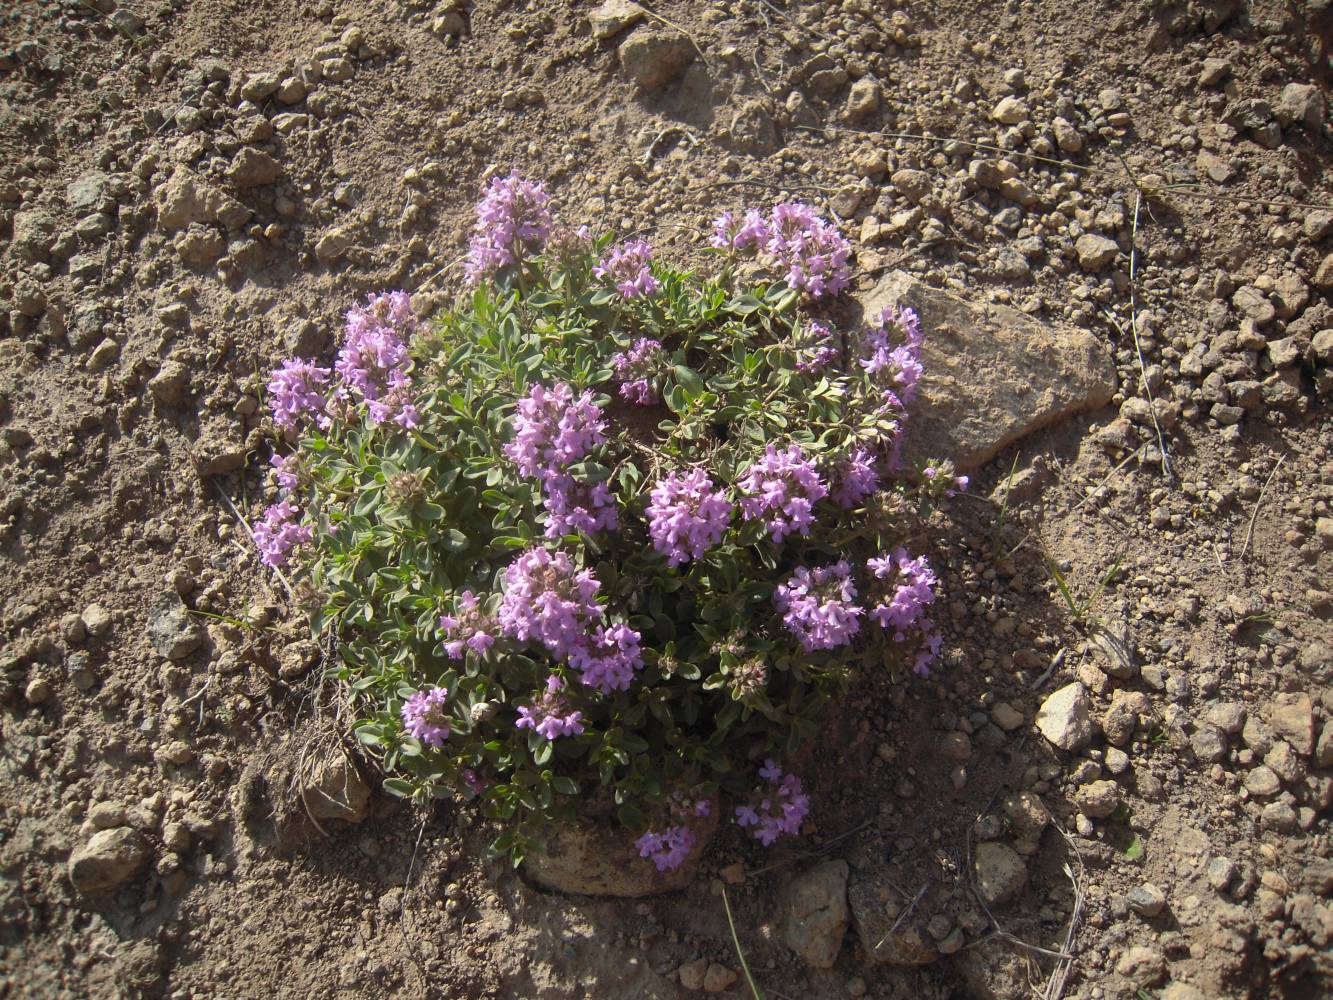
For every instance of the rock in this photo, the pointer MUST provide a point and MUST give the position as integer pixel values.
(1095, 253)
(253, 168)
(334, 244)
(1214, 72)
(752, 129)
(126, 21)
(37, 690)
(218, 450)
(956, 747)
(815, 913)
(692, 974)
(1262, 782)
(1063, 718)
(1292, 718)
(1209, 745)
(1318, 224)
(1010, 111)
(1098, 799)
(1220, 872)
(1147, 900)
(1006, 716)
(1323, 276)
(106, 815)
(96, 620)
(1067, 137)
(1144, 966)
(1284, 352)
(184, 199)
(260, 87)
(1212, 166)
(336, 790)
(33, 234)
(1228, 716)
(1323, 753)
(200, 245)
(109, 860)
(337, 70)
(1301, 104)
(172, 631)
(914, 185)
(1117, 761)
(170, 383)
(613, 17)
(94, 192)
(596, 859)
(863, 101)
(992, 374)
(1026, 814)
(719, 979)
(1000, 872)
(653, 58)
(1253, 304)
(885, 933)
(104, 355)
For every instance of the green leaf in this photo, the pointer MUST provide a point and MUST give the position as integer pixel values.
(399, 788)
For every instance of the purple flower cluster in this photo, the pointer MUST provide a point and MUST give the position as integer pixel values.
(627, 266)
(815, 349)
(374, 360)
(553, 429)
(781, 809)
(667, 849)
(685, 517)
(913, 583)
(279, 532)
(285, 471)
(783, 488)
(546, 601)
(296, 390)
(740, 233)
(424, 716)
(608, 659)
(551, 715)
(893, 354)
(638, 370)
(799, 241)
(572, 506)
(958, 484)
(512, 218)
(857, 478)
(818, 605)
(468, 628)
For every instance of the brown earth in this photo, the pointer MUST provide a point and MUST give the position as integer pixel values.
(191, 191)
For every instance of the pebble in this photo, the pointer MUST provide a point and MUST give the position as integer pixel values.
(1144, 966)
(1214, 72)
(1147, 900)
(1063, 718)
(653, 58)
(1006, 716)
(863, 101)
(1098, 799)
(109, 859)
(1010, 111)
(692, 974)
(172, 631)
(1095, 252)
(1000, 872)
(1292, 718)
(38, 690)
(613, 17)
(1220, 872)
(96, 620)
(1262, 782)
(719, 978)
(1209, 745)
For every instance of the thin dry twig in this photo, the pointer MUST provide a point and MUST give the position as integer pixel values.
(1056, 660)
(908, 910)
(1249, 533)
(1055, 986)
(1134, 329)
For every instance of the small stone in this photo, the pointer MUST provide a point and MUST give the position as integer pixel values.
(1301, 104)
(1095, 252)
(1010, 111)
(1254, 305)
(1323, 753)
(1279, 816)
(337, 70)
(170, 383)
(38, 690)
(104, 355)
(654, 58)
(1318, 224)
(111, 858)
(1026, 814)
(719, 978)
(956, 747)
(1117, 761)
(1098, 799)
(1144, 966)
(1228, 716)
(260, 87)
(1209, 745)
(97, 620)
(253, 168)
(1147, 900)
(106, 815)
(72, 629)
(336, 790)
(334, 244)
(172, 631)
(1220, 872)
(1323, 276)
(1000, 872)
(1067, 137)
(1262, 782)
(692, 974)
(1006, 716)
(1292, 718)
(863, 100)
(1063, 718)
(1216, 169)
(1181, 991)
(1214, 72)
(613, 17)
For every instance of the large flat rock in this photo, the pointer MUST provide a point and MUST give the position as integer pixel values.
(992, 373)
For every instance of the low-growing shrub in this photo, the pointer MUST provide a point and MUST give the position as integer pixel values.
(608, 535)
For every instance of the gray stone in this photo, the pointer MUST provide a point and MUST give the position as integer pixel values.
(1253, 304)
(1095, 252)
(1067, 137)
(692, 974)
(1262, 782)
(172, 631)
(719, 978)
(1063, 718)
(653, 58)
(1220, 872)
(1318, 224)
(1216, 169)
(96, 620)
(109, 860)
(1122, 716)
(1214, 72)
(914, 185)
(1000, 872)
(1323, 275)
(992, 373)
(1026, 814)
(33, 234)
(815, 913)
(1209, 745)
(613, 17)
(94, 192)
(1147, 900)
(597, 859)
(1323, 754)
(1302, 104)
